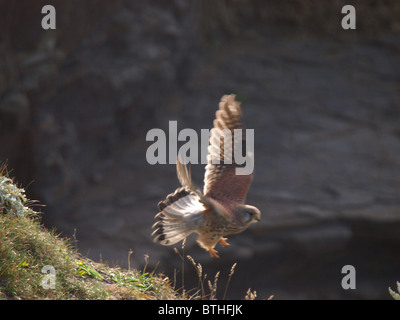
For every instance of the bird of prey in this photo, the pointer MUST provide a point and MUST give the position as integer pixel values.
(219, 210)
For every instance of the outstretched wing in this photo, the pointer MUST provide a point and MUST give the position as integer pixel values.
(220, 180)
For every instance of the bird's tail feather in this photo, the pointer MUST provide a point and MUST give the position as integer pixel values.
(179, 217)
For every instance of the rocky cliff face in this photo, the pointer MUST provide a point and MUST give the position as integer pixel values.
(76, 104)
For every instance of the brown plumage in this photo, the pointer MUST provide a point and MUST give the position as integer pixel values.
(220, 210)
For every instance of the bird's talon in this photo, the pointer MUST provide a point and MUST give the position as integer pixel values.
(213, 253)
(223, 242)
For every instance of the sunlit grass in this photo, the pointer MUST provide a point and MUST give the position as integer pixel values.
(26, 247)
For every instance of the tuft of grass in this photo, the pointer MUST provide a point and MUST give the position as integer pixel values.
(13, 199)
(200, 291)
(250, 295)
(26, 247)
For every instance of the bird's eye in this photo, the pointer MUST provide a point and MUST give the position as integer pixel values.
(249, 216)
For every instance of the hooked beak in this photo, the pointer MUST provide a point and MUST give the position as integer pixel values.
(256, 217)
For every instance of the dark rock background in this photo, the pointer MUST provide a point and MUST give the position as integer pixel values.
(76, 104)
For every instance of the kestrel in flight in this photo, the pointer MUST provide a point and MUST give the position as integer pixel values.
(220, 210)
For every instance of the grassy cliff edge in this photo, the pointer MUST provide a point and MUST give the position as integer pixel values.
(36, 263)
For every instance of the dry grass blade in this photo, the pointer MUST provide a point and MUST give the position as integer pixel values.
(182, 256)
(129, 259)
(229, 279)
(146, 259)
(213, 287)
(199, 271)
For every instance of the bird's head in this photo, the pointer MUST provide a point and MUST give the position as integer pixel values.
(247, 214)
